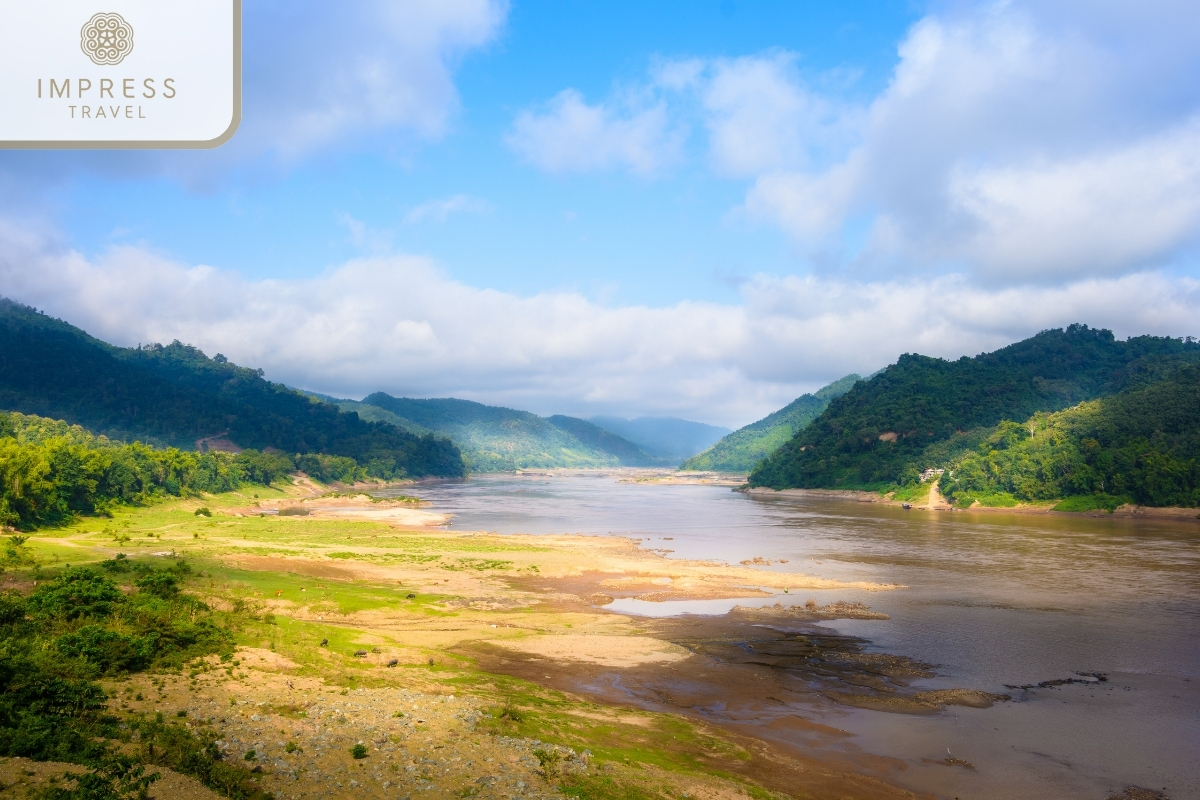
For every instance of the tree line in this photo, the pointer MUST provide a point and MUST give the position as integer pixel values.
(51, 472)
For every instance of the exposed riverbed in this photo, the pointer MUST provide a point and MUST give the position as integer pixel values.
(992, 601)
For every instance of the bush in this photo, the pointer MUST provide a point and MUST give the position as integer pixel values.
(117, 778)
(1091, 502)
(80, 625)
(159, 584)
(108, 650)
(358, 751)
(76, 592)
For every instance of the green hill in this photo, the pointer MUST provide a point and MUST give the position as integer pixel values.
(174, 395)
(1140, 445)
(877, 434)
(496, 439)
(745, 447)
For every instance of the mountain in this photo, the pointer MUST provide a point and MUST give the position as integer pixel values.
(628, 453)
(1140, 445)
(497, 439)
(745, 447)
(175, 395)
(884, 431)
(670, 439)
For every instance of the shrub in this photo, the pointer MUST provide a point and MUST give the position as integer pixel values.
(159, 584)
(1091, 502)
(76, 592)
(107, 650)
(358, 751)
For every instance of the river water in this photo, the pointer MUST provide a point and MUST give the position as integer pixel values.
(991, 599)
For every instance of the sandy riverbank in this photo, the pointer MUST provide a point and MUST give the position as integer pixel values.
(939, 504)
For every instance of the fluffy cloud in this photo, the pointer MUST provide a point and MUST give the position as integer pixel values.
(1020, 142)
(400, 325)
(762, 117)
(316, 76)
(568, 135)
(1015, 141)
(318, 72)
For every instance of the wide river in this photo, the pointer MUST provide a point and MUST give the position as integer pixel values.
(991, 599)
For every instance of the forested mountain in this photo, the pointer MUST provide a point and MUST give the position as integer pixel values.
(741, 450)
(496, 439)
(174, 395)
(670, 439)
(886, 430)
(1141, 445)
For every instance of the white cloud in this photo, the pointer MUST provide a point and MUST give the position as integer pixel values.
(569, 135)
(440, 210)
(316, 76)
(1015, 141)
(323, 72)
(1019, 142)
(400, 325)
(761, 117)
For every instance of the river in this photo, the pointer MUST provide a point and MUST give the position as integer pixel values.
(993, 600)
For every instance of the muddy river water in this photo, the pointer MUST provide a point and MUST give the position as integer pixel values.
(994, 601)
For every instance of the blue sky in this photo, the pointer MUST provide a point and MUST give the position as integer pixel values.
(695, 208)
(622, 237)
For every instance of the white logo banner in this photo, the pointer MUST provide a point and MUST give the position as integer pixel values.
(120, 73)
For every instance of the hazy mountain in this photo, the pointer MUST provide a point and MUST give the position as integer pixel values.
(668, 438)
(497, 439)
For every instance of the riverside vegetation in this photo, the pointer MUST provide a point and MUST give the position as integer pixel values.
(51, 471)
(1073, 415)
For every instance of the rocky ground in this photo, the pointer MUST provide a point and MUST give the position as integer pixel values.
(302, 734)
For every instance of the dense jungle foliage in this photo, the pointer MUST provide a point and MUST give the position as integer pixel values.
(741, 450)
(497, 439)
(51, 471)
(174, 395)
(1140, 446)
(79, 626)
(877, 434)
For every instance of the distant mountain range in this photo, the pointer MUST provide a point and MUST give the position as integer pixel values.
(741, 450)
(175, 395)
(669, 439)
(497, 439)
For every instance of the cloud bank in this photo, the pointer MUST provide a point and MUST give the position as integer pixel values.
(398, 324)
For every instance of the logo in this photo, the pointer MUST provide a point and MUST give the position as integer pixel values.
(106, 39)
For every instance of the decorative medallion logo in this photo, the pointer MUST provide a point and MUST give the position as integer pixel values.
(106, 39)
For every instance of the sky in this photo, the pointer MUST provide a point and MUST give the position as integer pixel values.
(700, 208)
